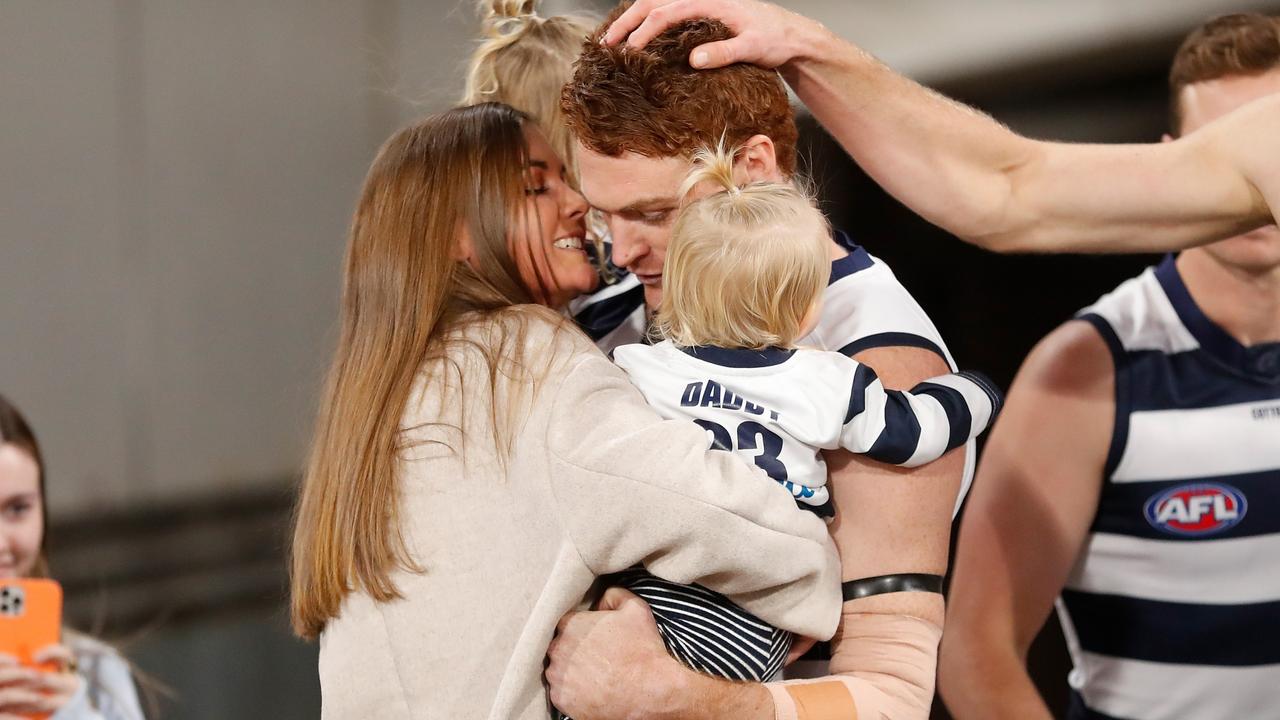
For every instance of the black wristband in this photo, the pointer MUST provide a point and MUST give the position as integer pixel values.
(903, 582)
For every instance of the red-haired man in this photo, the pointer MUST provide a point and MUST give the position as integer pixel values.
(638, 117)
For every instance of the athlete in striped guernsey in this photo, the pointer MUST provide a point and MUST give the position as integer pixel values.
(1136, 475)
(637, 117)
(745, 273)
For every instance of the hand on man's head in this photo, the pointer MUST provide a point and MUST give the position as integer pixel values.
(764, 34)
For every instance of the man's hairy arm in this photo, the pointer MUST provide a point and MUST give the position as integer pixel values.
(1028, 516)
(972, 176)
(612, 666)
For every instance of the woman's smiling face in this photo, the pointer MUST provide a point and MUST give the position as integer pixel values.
(21, 517)
(548, 236)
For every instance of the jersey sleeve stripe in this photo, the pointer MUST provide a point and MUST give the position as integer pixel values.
(955, 407)
(987, 386)
(901, 434)
(862, 377)
(892, 339)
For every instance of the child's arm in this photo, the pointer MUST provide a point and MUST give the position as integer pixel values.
(915, 427)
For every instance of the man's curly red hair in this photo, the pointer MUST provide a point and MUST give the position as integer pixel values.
(651, 102)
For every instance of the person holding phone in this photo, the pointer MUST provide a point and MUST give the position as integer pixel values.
(92, 681)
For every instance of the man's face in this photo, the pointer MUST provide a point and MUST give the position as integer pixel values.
(1202, 103)
(638, 198)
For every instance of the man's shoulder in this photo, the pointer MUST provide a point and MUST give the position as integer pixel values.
(865, 306)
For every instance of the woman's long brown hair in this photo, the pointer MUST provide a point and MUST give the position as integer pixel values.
(403, 291)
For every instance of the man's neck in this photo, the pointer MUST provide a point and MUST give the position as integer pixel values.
(1243, 303)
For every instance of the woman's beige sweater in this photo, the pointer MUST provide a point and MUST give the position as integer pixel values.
(595, 482)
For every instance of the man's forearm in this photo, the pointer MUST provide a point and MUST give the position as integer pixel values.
(972, 176)
(702, 697)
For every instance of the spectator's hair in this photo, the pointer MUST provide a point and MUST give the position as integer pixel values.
(745, 264)
(405, 297)
(1240, 44)
(16, 431)
(651, 101)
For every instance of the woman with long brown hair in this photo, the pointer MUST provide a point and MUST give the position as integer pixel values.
(478, 463)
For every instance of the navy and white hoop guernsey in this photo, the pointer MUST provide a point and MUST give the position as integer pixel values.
(864, 308)
(1173, 610)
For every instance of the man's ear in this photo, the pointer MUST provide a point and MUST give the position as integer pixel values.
(757, 161)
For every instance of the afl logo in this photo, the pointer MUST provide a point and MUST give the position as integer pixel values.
(1196, 510)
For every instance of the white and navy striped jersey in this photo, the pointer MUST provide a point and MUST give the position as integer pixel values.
(1173, 608)
(864, 307)
(780, 407)
(614, 314)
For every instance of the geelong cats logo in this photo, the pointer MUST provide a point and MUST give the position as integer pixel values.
(1197, 509)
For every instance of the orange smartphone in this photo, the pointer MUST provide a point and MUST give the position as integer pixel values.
(30, 618)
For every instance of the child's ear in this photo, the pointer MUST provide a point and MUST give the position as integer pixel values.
(757, 161)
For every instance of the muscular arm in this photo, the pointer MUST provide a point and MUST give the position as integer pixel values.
(1033, 499)
(889, 520)
(967, 173)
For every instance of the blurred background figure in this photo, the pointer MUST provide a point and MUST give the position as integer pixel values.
(94, 682)
(177, 182)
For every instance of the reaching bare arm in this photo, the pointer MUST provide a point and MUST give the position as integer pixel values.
(967, 173)
(1033, 499)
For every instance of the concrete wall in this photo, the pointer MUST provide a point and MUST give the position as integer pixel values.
(177, 178)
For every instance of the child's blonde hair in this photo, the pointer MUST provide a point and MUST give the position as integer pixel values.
(745, 264)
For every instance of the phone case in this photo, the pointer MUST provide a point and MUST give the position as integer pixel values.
(30, 618)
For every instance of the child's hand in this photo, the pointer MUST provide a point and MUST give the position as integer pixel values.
(27, 691)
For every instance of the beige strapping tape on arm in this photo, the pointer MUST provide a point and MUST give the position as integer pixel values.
(882, 667)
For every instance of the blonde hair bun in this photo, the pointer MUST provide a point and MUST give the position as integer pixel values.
(504, 18)
(746, 264)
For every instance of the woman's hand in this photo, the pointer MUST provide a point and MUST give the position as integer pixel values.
(26, 691)
(610, 663)
(764, 34)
